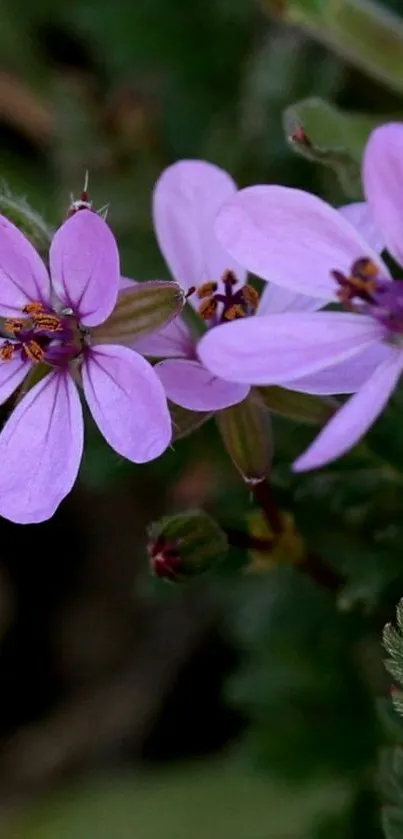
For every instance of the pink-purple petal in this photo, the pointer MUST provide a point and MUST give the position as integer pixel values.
(84, 265)
(291, 238)
(186, 199)
(383, 183)
(188, 384)
(354, 419)
(274, 349)
(172, 341)
(346, 377)
(40, 450)
(127, 401)
(23, 276)
(125, 283)
(360, 215)
(12, 374)
(276, 300)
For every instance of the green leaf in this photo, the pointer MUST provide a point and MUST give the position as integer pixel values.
(139, 310)
(391, 768)
(17, 210)
(303, 407)
(393, 643)
(361, 31)
(246, 433)
(324, 134)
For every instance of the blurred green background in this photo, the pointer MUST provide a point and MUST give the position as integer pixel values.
(242, 706)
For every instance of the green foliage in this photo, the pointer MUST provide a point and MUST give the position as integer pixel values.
(18, 210)
(392, 760)
(301, 720)
(215, 799)
(393, 642)
(362, 31)
(324, 134)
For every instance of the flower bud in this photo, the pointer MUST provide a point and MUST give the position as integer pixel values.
(303, 407)
(140, 309)
(186, 545)
(246, 433)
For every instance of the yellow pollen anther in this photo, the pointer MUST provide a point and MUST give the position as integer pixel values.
(13, 325)
(365, 268)
(34, 352)
(206, 290)
(7, 351)
(49, 323)
(251, 296)
(208, 308)
(234, 312)
(33, 308)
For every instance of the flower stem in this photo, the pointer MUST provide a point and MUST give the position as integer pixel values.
(240, 539)
(316, 569)
(264, 498)
(313, 566)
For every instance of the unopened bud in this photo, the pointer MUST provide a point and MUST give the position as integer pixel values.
(142, 309)
(185, 546)
(302, 407)
(246, 433)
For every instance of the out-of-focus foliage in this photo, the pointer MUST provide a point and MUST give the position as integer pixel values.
(392, 764)
(200, 801)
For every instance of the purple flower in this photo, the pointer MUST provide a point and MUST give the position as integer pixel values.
(187, 197)
(305, 245)
(41, 443)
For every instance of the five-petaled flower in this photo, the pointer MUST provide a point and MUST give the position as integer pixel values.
(50, 323)
(303, 244)
(186, 200)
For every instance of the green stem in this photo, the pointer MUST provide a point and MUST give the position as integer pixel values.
(311, 565)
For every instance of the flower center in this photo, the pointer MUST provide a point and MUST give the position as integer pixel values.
(42, 335)
(364, 290)
(228, 303)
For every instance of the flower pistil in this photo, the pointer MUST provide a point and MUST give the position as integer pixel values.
(42, 335)
(234, 302)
